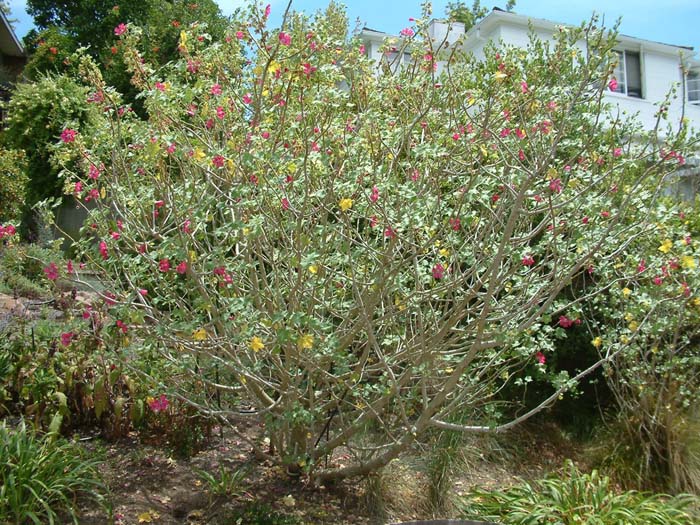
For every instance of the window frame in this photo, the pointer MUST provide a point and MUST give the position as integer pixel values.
(622, 74)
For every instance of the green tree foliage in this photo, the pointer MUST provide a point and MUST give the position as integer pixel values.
(13, 184)
(38, 112)
(459, 12)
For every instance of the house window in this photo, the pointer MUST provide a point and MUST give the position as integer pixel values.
(628, 74)
(693, 87)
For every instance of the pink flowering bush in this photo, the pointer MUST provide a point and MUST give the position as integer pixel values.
(360, 255)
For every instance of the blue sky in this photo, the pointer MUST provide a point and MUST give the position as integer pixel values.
(669, 21)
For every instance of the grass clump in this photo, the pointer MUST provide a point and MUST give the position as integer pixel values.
(42, 476)
(575, 498)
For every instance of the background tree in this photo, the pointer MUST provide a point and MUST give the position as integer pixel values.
(459, 12)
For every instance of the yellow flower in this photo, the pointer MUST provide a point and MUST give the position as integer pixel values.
(629, 317)
(666, 246)
(199, 153)
(305, 341)
(444, 252)
(626, 292)
(345, 204)
(624, 339)
(313, 269)
(633, 326)
(200, 334)
(256, 344)
(597, 342)
(687, 262)
(500, 75)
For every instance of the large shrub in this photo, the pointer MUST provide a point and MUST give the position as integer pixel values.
(360, 255)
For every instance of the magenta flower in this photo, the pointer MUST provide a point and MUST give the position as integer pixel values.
(94, 172)
(158, 404)
(66, 338)
(267, 10)
(69, 267)
(613, 84)
(617, 152)
(285, 203)
(103, 250)
(220, 113)
(565, 322)
(164, 265)
(658, 280)
(216, 89)
(523, 87)
(308, 69)
(115, 235)
(51, 272)
(374, 197)
(407, 32)
(120, 29)
(285, 39)
(181, 268)
(265, 135)
(438, 271)
(389, 233)
(585, 220)
(187, 226)
(240, 35)
(160, 86)
(541, 359)
(78, 187)
(528, 260)
(455, 136)
(555, 185)
(218, 161)
(68, 135)
(122, 326)
(642, 266)
(455, 223)
(247, 98)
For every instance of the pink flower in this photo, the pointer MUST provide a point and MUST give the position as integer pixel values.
(617, 152)
(158, 404)
(265, 135)
(520, 133)
(528, 260)
(455, 136)
(523, 87)
(521, 155)
(642, 266)
(120, 29)
(438, 271)
(122, 326)
(584, 220)
(373, 221)
(115, 235)
(51, 272)
(164, 265)
(541, 359)
(247, 98)
(308, 69)
(605, 214)
(187, 226)
(216, 89)
(240, 35)
(285, 203)
(159, 86)
(93, 194)
(218, 161)
(103, 250)
(66, 338)
(68, 135)
(142, 248)
(69, 267)
(613, 84)
(220, 113)
(94, 172)
(555, 185)
(407, 32)
(389, 233)
(181, 268)
(267, 11)
(285, 39)
(374, 197)
(658, 280)
(362, 49)
(565, 322)
(455, 223)
(78, 187)
(143, 292)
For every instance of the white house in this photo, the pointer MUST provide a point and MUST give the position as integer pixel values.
(645, 73)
